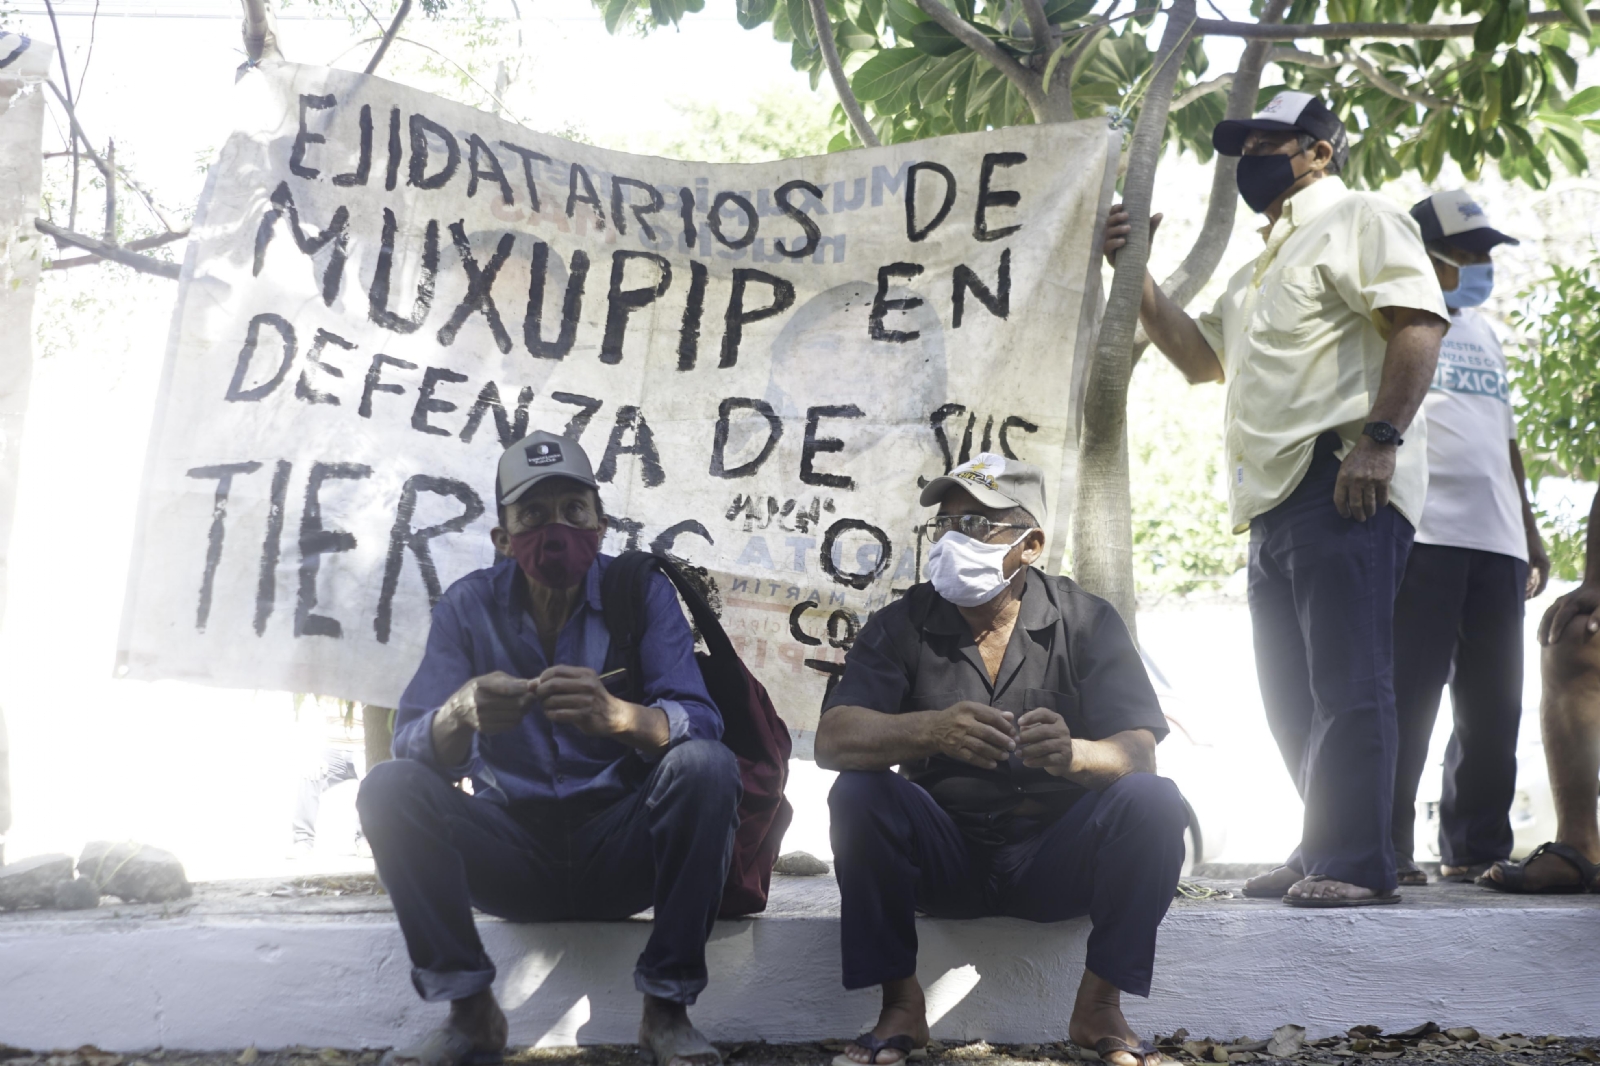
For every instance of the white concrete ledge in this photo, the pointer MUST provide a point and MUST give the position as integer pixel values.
(230, 969)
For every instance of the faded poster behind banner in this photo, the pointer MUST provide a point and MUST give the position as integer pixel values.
(386, 289)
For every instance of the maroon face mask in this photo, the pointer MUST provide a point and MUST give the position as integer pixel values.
(555, 555)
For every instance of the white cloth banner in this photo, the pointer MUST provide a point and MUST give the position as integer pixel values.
(24, 64)
(385, 289)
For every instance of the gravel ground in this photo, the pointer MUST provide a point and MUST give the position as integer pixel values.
(1362, 1046)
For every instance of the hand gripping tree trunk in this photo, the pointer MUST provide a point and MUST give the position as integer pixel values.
(1102, 522)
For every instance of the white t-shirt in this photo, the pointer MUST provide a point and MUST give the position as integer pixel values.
(1473, 500)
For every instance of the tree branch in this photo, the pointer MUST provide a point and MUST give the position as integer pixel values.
(260, 32)
(1222, 208)
(1091, 35)
(841, 84)
(140, 245)
(1199, 89)
(1030, 84)
(1304, 59)
(1039, 24)
(388, 35)
(142, 263)
(77, 131)
(1295, 31)
(66, 77)
(1102, 531)
(1373, 75)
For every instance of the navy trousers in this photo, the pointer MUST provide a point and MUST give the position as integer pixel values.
(441, 853)
(1114, 855)
(1461, 606)
(1322, 592)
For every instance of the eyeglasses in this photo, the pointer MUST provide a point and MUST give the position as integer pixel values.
(975, 526)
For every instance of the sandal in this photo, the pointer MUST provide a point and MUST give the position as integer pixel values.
(1514, 875)
(1144, 1051)
(444, 1047)
(872, 1045)
(1330, 902)
(1409, 873)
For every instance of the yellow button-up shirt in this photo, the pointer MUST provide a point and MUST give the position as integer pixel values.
(1302, 342)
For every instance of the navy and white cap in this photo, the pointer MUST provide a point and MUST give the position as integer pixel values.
(537, 456)
(1288, 110)
(1456, 219)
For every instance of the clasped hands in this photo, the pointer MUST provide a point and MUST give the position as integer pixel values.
(566, 695)
(985, 737)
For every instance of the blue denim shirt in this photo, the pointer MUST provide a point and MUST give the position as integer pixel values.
(482, 624)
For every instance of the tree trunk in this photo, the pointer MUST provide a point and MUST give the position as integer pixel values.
(1102, 523)
(377, 734)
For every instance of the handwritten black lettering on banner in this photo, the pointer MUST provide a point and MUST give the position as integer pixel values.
(762, 362)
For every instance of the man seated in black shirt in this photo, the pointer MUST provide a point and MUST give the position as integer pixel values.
(1025, 728)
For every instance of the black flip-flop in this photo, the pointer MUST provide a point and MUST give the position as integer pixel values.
(1514, 875)
(872, 1045)
(1333, 902)
(1110, 1045)
(444, 1047)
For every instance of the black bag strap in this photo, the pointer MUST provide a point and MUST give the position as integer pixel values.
(908, 638)
(623, 588)
(622, 596)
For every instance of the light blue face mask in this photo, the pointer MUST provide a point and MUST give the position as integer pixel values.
(1477, 282)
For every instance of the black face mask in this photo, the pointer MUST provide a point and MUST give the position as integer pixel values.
(1264, 178)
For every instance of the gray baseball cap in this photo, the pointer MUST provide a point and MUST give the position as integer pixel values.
(996, 482)
(537, 456)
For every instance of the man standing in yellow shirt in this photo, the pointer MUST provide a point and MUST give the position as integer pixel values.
(1327, 344)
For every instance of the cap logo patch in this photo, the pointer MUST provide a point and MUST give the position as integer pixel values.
(981, 471)
(1285, 107)
(543, 454)
(1469, 209)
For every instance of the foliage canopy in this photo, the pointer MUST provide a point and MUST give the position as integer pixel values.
(1507, 94)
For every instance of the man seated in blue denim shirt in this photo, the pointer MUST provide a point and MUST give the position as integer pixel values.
(582, 805)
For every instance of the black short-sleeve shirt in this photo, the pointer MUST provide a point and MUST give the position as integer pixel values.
(1069, 652)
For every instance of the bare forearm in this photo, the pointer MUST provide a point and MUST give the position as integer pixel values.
(1408, 366)
(1172, 330)
(1591, 573)
(858, 738)
(1099, 763)
(1530, 524)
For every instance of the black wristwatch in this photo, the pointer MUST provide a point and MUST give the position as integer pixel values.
(1383, 433)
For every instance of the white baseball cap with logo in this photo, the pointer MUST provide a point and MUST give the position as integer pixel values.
(995, 482)
(538, 456)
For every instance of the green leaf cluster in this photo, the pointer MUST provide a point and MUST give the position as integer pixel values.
(1555, 371)
(1508, 95)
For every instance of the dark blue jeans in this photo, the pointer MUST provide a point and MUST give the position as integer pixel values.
(1460, 607)
(1322, 593)
(1114, 855)
(441, 853)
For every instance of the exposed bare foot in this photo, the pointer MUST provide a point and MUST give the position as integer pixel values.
(1097, 1014)
(1326, 888)
(480, 1018)
(1409, 873)
(1272, 884)
(474, 1034)
(668, 1039)
(1463, 874)
(904, 1013)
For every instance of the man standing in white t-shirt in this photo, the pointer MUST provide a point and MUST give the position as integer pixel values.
(1476, 558)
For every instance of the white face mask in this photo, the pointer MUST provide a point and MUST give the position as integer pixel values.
(969, 572)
